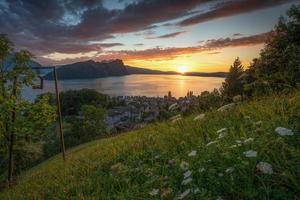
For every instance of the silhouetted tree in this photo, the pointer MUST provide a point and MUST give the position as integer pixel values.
(278, 66)
(233, 84)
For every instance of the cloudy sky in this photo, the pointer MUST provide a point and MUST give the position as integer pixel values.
(203, 35)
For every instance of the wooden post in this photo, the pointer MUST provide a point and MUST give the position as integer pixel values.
(61, 133)
(12, 138)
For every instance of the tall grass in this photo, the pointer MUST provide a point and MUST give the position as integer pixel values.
(148, 163)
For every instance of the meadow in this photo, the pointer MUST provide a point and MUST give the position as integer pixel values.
(239, 153)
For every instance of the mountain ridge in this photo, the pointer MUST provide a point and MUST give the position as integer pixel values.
(91, 69)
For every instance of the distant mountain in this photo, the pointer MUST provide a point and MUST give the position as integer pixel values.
(207, 74)
(91, 69)
(137, 70)
(8, 62)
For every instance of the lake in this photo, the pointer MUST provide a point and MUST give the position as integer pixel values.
(135, 85)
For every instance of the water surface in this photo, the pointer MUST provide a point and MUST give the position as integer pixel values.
(135, 85)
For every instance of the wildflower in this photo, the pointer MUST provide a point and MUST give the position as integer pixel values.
(229, 170)
(238, 141)
(176, 118)
(226, 107)
(220, 174)
(283, 131)
(192, 153)
(199, 117)
(187, 174)
(186, 181)
(265, 167)
(223, 130)
(154, 192)
(201, 170)
(184, 194)
(250, 154)
(248, 140)
(222, 133)
(184, 165)
(157, 157)
(210, 143)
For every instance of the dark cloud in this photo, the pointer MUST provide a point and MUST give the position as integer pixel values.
(47, 26)
(170, 53)
(56, 23)
(210, 46)
(231, 8)
(108, 45)
(237, 35)
(170, 35)
(233, 42)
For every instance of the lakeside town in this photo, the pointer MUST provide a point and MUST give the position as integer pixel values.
(139, 110)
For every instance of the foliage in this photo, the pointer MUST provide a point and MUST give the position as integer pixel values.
(89, 125)
(278, 67)
(73, 100)
(233, 84)
(21, 123)
(209, 100)
(130, 166)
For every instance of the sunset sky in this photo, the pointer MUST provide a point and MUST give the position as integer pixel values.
(177, 35)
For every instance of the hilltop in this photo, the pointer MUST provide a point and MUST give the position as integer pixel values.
(234, 154)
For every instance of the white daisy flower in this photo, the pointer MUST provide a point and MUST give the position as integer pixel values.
(229, 170)
(265, 167)
(226, 107)
(154, 192)
(210, 143)
(284, 131)
(238, 141)
(250, 154)
(184, 194)
(184, 165)
(192, 153)
(187, 174)
(186, 181)
(199, 117)
(248, 140)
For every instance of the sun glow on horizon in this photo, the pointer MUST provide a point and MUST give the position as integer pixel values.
(182, 69)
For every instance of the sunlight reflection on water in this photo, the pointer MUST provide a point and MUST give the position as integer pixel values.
(135, 85)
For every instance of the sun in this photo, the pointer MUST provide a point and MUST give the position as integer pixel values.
(182, 69)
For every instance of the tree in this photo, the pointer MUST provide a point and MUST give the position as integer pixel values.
(89, 125)
(19, 119)
(278, 66)
(233, 84)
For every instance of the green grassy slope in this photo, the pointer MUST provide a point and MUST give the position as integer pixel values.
(131, 165)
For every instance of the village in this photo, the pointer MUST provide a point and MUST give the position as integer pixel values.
(140, 110)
